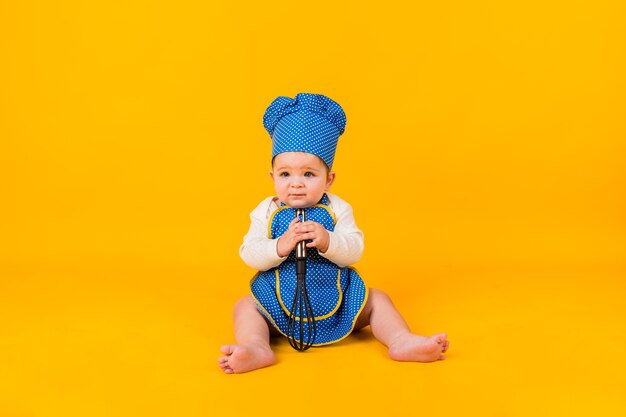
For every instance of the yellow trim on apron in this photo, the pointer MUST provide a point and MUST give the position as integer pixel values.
(268, 316)
(288, 312)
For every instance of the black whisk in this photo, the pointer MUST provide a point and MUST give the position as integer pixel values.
(301, 305)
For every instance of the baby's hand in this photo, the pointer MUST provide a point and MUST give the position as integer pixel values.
(288, 241)
(299, 231)
(310, 230)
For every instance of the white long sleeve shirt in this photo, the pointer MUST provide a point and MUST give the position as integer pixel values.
(259, 251)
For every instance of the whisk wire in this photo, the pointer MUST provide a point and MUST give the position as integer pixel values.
(311, 317)
(301, 309)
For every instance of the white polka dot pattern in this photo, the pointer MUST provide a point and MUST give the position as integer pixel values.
(340, 305)
(307, 123)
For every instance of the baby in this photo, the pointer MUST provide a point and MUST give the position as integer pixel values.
(305, 131)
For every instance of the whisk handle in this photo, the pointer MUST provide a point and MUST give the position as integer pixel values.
(300, 268)
(301, 246)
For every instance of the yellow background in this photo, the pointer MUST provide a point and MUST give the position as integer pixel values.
(484, 156)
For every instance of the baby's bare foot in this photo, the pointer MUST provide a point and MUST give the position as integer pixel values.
(238, 359)
(415, 348)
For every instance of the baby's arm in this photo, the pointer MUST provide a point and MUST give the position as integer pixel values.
(257, 250)
(344, 246)
(346, 241)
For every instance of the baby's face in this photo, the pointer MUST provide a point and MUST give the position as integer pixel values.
(300, 178)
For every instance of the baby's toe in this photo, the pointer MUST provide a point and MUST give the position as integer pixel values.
(227, 369)
(227, 349)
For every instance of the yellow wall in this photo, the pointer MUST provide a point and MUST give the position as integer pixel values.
(484, 156)
(131, 133)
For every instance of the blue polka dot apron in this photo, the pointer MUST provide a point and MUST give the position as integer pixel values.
(337, 294)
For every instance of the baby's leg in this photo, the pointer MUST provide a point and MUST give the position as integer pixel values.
(252, 334)
(389, 327)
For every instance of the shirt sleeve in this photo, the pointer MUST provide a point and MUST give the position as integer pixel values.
(257, 250)
(346, 241)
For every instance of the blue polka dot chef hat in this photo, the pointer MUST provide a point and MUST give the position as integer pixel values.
(309, 123)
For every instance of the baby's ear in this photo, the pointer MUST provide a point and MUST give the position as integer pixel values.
(271, 174)
(330, 178)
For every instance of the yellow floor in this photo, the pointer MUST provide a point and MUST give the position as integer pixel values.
(479, 132)
(531, 341)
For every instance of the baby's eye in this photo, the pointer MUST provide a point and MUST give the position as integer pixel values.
(309, 174)
(284, 174)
